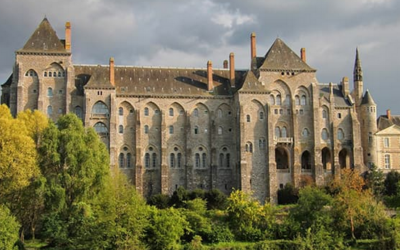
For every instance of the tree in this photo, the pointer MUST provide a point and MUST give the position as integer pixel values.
(18, 157)
(391, 183)
(8, 229)
(375, 181)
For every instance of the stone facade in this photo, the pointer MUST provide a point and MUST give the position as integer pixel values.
(254, 130)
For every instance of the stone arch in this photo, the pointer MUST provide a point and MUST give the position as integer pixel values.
(177, 107)
(301, 92)
(344, 158)
(282, 158)
(100, 108)
(326, 159)
(32, 73)
(306, 160)
(201, 107)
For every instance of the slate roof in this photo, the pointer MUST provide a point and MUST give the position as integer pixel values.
(131, 80)
(281, 58)
(44, 39)
(340, 100)
(384, 122)
(251, 83)
(367, 99)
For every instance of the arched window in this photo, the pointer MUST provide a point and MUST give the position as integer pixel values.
(340, 134)
(250, 147)
(171, 129)
(79, 112)
(196, 130)
(303, 100)
(387, 161)
(146, 111)
(196, 112)
(221, 160)
(59, 74)
(147, 160)
(248, 118)
(197, 160)
(284, 132)
(121, 160)
(179, 160)
(277, 132)
(278, 100)
(121, 111)
(49, 110)
(172, 160)
(49, 92)
(287, 100)
(272, 100)
(100, 128)
(50, 74)
(100, 108)
(204, 160)
(171, 112)
(120, 129)
(247, 147)
(146, 129)
(324, 114)
(220, 130)
(297, 100)
(324, 134)
(261, 115)
(228, 160)
(129, 160)
(219, 113)
(154, 160)
(305, 133)
(45, 74)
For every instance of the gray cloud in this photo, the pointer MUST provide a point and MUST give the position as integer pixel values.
(187, 33)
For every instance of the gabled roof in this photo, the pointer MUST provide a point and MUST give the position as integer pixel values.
(367, 99)
(391, 130)
(44, 39)
(281, 58)
(384, 122)
(251, 83)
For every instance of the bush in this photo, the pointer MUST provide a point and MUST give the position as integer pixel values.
(288, 195)
(161, 201)
(216, 200)
(8, 229)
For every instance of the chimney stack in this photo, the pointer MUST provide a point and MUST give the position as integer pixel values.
(112, 81)
(345, 86)
(253, 46)
(232, 68)
(303, 54)
(388, 114)
(68, 36)
(225, 64)
(210, 84)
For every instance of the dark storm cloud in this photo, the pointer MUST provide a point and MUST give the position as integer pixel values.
(187, 33)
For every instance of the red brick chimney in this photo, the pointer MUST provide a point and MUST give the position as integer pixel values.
(388, 114)
(210, 84)
(253, 45)
(112, 81)
(225, 64)
(303, 54)
(68, 36)
(232, 68)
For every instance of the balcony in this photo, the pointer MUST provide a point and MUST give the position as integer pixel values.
(283, 140)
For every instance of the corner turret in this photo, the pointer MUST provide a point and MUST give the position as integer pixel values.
(368, 128)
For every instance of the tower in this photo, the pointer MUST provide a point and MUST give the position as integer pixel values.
(358, 80)
(368, 128)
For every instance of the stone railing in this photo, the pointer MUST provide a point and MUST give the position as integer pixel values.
(287, 140)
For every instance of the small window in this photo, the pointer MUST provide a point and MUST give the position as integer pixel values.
(196, 130)
(49, 92)
(59, 74)
(287, 100)
(305, 133)
(261, 115)
(387, 161)
(196, 112)
(171, 129)
(275, 111)
(221, 160)
(50, 74)
(121, 111)
(386, 142)
(220, 130)
(228, 160)
(120, 129)
(45, 74)
(49, 110)
(146, 129)
(171, 112)
(219, 113)
(146, 111)
(248, 118)
(324, 114)
(339, 115)
(100, 128)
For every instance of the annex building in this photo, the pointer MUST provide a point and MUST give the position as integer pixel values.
(254, 129)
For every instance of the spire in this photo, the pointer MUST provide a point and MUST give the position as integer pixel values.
(367, 99)
(358, 75)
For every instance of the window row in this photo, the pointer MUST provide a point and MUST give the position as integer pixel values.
(225, 160)
(30, 73)
(281, 132)
(54, 74)
(175, 160)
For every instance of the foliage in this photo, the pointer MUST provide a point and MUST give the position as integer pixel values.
(216, 199)
(391, 183)
(8, 229)
(179, 197)
(375, 181)
(288, 194)
(161, 201)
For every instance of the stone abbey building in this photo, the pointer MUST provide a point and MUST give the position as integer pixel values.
(254, 130)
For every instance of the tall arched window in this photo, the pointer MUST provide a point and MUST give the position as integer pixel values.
(49, 92)
(277, 132)
(179, 160)
(324, 134)
(171, 112)
(78, 112)
(196, 112)
(100, 108)
(340, 134)
(129, 160)
(324, 114)
(172, 160)
(284, 132)
(147, 160)
(49, 110)
(387, 161)
(303, 100)
(272, 100)
(228, 160)
(197, 160)
(297, 100)
(219, 113)
(287, 100)
(121, 160)
(278, 100)
(120, 129)
(221, 160)
(146, 111)
(204, 160)
(121, 111)
(154, 160)
(100, 128)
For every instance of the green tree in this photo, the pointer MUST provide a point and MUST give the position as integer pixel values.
(392, 183)
(375, 181)
(8, 229)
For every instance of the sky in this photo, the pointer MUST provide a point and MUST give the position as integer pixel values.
(188, 33)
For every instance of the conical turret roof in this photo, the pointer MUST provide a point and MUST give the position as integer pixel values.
(367, 99)
(280, 57)
(44, 39)
(357, 73)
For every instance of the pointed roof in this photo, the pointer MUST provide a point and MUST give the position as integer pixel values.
(357, 73)
(367, 99)
(44, 39)
(280, 57)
